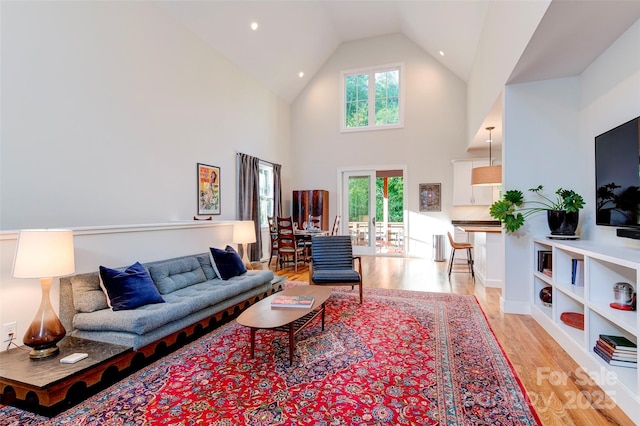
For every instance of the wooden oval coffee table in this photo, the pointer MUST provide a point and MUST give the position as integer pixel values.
(289, 320)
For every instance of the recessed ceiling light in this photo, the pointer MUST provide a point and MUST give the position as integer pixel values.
(300, 74)
(254, 26)
(441, 53)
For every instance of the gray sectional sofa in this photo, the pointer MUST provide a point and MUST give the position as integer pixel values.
(192, 292)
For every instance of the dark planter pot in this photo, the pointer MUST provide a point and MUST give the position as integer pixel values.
(562, 222)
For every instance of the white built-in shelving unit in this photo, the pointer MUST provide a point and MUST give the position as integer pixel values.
(603, 266)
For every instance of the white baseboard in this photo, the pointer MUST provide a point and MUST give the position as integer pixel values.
(511, 307)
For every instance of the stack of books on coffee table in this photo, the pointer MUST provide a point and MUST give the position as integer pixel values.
(617, 350)
(286, 302)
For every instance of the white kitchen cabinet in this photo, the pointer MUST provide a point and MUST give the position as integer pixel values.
(464, 194)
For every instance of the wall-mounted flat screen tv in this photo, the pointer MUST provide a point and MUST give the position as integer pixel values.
(618, 175)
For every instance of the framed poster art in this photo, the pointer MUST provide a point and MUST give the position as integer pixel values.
(208, 189)
(429, 197)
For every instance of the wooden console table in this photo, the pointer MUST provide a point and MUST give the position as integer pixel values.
(39, 384)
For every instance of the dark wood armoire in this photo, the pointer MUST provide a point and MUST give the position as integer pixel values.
(314, 202)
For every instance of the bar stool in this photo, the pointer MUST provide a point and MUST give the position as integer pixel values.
(461, 246)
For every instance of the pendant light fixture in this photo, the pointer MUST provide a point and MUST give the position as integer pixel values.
(488, 175)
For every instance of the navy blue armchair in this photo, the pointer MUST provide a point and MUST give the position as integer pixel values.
(332, 262)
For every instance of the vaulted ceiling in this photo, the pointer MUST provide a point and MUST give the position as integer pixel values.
(296, 36)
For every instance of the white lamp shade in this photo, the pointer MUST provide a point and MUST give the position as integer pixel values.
(485, 176)
(44, 253)
(244, 232)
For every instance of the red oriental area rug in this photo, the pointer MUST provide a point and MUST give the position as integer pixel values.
(400, 358)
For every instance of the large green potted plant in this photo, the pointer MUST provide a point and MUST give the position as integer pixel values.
(562, 212)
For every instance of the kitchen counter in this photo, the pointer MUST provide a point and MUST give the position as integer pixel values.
(490, 223)
(497, 229)
(488, 249)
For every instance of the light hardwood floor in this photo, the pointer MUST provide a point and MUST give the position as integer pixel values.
(562, 393)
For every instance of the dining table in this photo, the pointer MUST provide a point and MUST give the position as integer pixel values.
(308, 233)
(303, 236)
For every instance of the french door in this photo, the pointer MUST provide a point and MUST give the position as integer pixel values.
(372, 203)
(359, 209)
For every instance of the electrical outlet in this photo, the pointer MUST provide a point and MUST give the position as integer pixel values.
(8, 329)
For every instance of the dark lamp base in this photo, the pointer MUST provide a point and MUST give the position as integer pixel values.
(43, 352)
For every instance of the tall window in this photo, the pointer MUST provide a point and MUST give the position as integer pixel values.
(372, 98)
(266, 193)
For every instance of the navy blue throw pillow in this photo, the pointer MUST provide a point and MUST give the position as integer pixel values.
(131, 288)
(227, 262)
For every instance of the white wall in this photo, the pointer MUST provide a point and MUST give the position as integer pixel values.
(541, 147)
(109, 246)
(610, 96)
(507, 29)
(108, 106)
(106, 109)
(434, 131)
(550, 128)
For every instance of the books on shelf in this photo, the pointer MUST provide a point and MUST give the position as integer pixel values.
(577, 272)
(619, 354)
(301, 302)
(544, 262)
(617, 351)
(615, 362)
(619, 342)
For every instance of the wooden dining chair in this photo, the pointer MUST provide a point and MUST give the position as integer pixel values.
(455, 245)
(315, 222)
(336, 225)
(273, 233)
(287, 244)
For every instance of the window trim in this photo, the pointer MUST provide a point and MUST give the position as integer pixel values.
(372, 70)
(265, 165)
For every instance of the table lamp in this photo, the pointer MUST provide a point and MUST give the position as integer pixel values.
(44, 254)
(244, 232)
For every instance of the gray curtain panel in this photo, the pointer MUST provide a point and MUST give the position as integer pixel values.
(248, 203)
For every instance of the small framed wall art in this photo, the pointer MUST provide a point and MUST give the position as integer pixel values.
(429, 197)
(208, 189)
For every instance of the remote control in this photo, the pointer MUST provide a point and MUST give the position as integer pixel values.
(73, 358)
